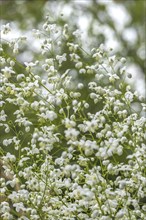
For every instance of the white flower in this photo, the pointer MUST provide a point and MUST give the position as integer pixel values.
(86, 105)
(91, 126)
(129, 96)
(6, 28)
(19, 206)
(6, 216)
(8, 71)
(120, 214)
(61, 58)
(71, 133)
(7, 142)
(30, 65)
(12, 183)
(4, 207)
(35, 105)
(123, 60)
(82, 71)
(113, 77)
(93, 95)
(20, 77)
(90, 69)
(50, 27)
(80, 85)
(69, 123)
(51, 115)
(3, 116)
(79, 65)
(9, 157)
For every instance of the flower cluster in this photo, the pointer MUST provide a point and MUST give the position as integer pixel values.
(73, 144)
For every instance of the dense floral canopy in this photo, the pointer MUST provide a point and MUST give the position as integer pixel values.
(73, 127)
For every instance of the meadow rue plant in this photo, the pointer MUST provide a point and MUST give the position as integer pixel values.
(73, 145)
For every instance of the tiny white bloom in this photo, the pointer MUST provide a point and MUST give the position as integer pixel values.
(6, 28)
(129, 96)
(51, 115)
(61, 58)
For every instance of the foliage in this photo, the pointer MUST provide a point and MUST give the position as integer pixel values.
(75, 140)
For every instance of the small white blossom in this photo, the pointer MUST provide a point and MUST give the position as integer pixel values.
(30, 65)
(6, 28)
(19, 207)
(129, 96)
(71, 133)
(79, 65)
(8, 71)
(61, 58)
(51, 115)
(120, 214)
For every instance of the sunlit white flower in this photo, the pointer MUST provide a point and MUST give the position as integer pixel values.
(19, 207)
(8, 71)
(51, 115)
(61, 59)
(71, 133)
(30, 65)
(129, 96)
(6, 28)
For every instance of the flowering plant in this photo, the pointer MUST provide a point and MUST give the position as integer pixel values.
(73, 144)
